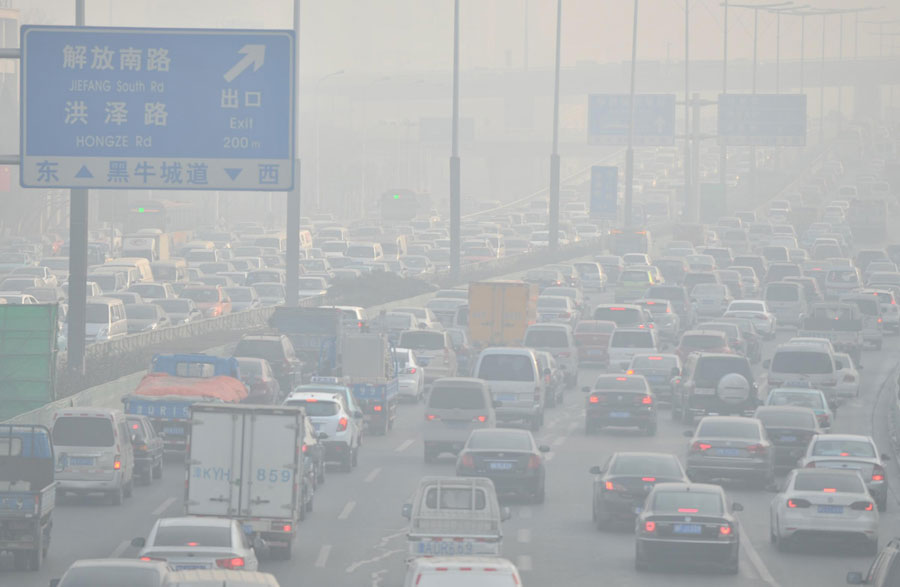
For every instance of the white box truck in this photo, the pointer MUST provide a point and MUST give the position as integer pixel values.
(247, 462)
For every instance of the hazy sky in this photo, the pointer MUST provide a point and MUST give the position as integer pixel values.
(396, 35)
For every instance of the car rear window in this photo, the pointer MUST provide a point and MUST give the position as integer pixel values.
(728, 429)
(192, 536)
(646, 465)
(548, 337)
(711, 369)
(702, 341)
(631, 339)
(498, 367)
(201, 294)
(270, 350)
(454, 498)
(796, 398)
(463, 398)
(782, 292)
(621, 316)
(620, 383)
(694, 502)
(792, 419)
(83, 431)
(316, 408)
(654, 362)
(843, 448)
(806, 362)
(638, 276)
(111, 577)
(600, 326)
(829, 482)
(499, 440)
(422, 339)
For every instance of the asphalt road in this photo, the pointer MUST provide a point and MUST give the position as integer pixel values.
(356, 535)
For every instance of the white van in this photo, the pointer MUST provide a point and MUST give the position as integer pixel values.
(93, 451)
(472, 571)
(365, 252)
(796, 362)
(516, 383)
(139, 263)
(786, 300)
(455, 406)
(104, 319)
(558, 340)
(625, 343)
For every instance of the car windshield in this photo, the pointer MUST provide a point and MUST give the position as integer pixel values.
(620, 383)
(555, 302)
(269, 289)
(804, 399)
(829, 482)
(787, 419)
(183, 535)
(201, 294)
(843, 448)
(632, 339)
(745, 306)
(82, 431)
(708, 289)
(422, 340)
(454, 498)
(655, 362)
(805, 362)
(263, 349)
(595, 326)
(140, 311)
(506, 367)
(456, 397)
(646, 465)
(684, 502)
(782, 292)
(250, 368)
(639, 276)
(239, 294)
(311, 283)
(103, 576)
(546, 337)
(728, 429)
(499, 440)
(97, 314)
(361, 251)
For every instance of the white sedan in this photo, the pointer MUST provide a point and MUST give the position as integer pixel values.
(412, 375)
(847, 376)
(199, 543)
(823, 502)
(757, 310)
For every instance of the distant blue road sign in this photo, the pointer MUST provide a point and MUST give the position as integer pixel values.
(136, 108)
(654, 119)
(762, 120)
(604, 192)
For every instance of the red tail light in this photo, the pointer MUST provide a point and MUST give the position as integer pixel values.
(534, 462)
(647, 400)
(594, 399)
(376, 408)
(480, 419)
(431, 417)
(411, 370)
(725, 530)
(466, 461)
(798, 503)
(117, 464)
(757, 449)
(610, 486)
(878, 473)
(151, 558)
(811, 465)
(648, 479)
(700, 446)
(342, 424)
(650, 527)
(568, 315)
(286, 528)
(230, 563)
(862, 506)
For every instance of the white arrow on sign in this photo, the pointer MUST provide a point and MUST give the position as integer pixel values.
(252, 54)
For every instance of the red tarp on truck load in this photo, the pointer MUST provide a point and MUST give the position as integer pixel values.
(222, 387)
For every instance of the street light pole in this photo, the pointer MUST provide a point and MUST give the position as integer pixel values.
(689, 203)
(454, 152)
(723, 150)
(554, 155)
(318, 116)
(629, 152)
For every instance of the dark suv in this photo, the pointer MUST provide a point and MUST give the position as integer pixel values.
(884, 572)
(278, 350)
(714, 384)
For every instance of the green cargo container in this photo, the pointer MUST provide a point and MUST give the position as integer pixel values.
(27, 357)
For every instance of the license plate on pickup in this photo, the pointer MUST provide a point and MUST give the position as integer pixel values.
(507, 397)
(445, 548)
(728, 452)
(500, 466)
(173, 430)
(620, 415)
(830, 509)
(688, 529)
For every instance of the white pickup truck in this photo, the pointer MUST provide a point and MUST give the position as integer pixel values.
(454, 516)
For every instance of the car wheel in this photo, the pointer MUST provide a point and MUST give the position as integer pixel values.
(640, 564)
(147, 477)
(117, 496)
(734, 566)
(354, 458)
(129, 488)
(781, 543)
(540, 494)
(158, 470)
(535, 423)
(320, 474)
(650, 429)
(687, 418)
(882, 503)
(347, 463)
(309, 504)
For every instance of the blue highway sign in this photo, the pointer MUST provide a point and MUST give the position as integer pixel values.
(654, 119)
(604, 191)
(146, 108)
(762, 120)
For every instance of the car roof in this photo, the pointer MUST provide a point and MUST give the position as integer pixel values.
(160, 566)
(693, 487)
(206, 521)
(854, 437)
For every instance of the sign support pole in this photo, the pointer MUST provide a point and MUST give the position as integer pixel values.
(454, 153)
(629, 152)
(78, 238)
(554, 155)
(292, 222)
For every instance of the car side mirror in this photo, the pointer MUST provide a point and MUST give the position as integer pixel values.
(767, 363)
(322, 436)
(586, 389)
(688, 433)
(505, 513)
(596, 470)
(544, 448)
(406, 511)
(139, 542)
(736, 507)
(853, 578)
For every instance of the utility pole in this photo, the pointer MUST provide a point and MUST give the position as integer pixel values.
(629, 152)
(454, 151)
(554, 155)
(292, 207)
(690, 203)
(723, 152)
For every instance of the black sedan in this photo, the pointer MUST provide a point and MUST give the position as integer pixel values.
(621, 487)
(508, 457)
(148, 449)
(790, 429)
(620, 400)
(687, 523)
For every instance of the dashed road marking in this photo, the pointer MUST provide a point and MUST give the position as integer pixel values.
(122, 547)
(163, 506)
(523, 535)
(757, 562)
(404, 445)
(322, 559)
(345, 513)
(371, 476)
(523, 562)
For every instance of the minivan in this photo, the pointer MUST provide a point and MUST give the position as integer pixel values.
(455, 406)
(104, 319)
(94, 453)
(365, 252)
(841, 280)
(515, 381)
(627, 342)
(559, 341)
(786, 300)
(802, 362)
(139, 263)
(873, 321)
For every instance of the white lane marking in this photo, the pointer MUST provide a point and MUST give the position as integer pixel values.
(163, 506)
(122, 547)
(523, 562)
(404, 445)
(381, 556)
(371, 476)
(525, 513)
(345, 513)
(523, 535)
(756, 560)
(322, 559)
